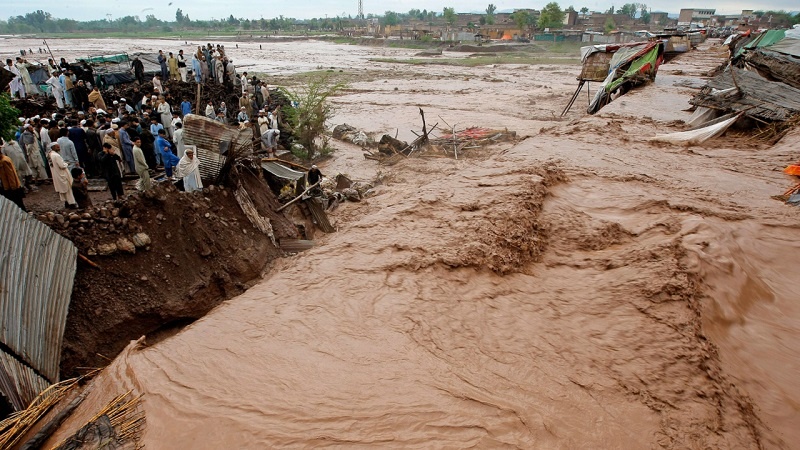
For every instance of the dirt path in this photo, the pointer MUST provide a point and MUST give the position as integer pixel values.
(583, 288)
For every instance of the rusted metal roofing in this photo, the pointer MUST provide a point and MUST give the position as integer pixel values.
(213, 141)
(18, 382)
(37, 269)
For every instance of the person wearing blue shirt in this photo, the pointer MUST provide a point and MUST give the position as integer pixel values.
(127, 145)
(155, 127)
(186, 107)
(163, 146)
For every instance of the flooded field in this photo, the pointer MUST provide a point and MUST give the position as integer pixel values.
(581, 287)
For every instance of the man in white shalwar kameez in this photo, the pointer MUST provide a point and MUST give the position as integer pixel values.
(189, 170)
(62, 178)
(16, 85)
(22, 66)
(57, 90)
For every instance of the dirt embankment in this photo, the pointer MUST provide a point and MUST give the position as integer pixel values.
(165, 259)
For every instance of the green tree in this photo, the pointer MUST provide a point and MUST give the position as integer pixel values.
(610, 10)
(8, 117)
(610, 25)
(37, 19)
(449, 15)
(551, 16)
(644, 14)
(522, 18)
(390, 18)
(179, 16)
(584, 10)
(490, 13)
(307, 120)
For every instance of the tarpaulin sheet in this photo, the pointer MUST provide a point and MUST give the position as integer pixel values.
(281, 171)
(765, 39)
(117, 78)
(102, 59)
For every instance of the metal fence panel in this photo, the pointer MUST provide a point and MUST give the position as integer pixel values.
(37, 270)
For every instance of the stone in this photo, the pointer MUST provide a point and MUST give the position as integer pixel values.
(352, 194)
(74, 217)
(91, 251)
(59, 218)
(51, 216)
(115, 212)
(211, 188)
(125, 245)
(124, 222)
(117, 221)
(104, 212)
(81, 230)
(107, 249)
(159, 216)
(207, 215)
(144, 278)
(86, 216)
(141, 240)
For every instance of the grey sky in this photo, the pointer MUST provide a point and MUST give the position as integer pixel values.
(306, 9)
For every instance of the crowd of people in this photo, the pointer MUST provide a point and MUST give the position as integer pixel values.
(90, 138)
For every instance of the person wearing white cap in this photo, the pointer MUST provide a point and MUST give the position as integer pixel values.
(165, 111)
(62, 178)
(269, 141)
(242, 116)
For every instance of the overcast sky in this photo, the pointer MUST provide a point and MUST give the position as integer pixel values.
(306, 9)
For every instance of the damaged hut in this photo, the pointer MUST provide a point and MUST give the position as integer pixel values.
(618, 68)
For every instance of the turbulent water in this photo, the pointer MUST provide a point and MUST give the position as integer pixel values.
(581, 288)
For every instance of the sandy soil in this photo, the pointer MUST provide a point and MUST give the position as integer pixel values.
(582, 288)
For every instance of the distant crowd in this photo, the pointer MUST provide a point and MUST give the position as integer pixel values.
(140, 136)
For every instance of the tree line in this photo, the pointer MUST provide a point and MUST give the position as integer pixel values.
(550, 16)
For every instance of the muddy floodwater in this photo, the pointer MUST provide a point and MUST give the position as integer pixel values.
(579, 288)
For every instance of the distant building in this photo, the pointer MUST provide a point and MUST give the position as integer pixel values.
(570, 18)
(659, 18)
(689, 16)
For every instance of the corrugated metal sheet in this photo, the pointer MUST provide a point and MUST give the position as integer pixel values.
(282, 171)
(19, 383)
(319, 216)
(213, 140)
(296, 245)
(37, 269)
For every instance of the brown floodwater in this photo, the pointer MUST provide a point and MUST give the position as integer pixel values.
(580, 288)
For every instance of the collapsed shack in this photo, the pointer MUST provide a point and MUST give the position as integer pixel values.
(618, 68)
(758, 88)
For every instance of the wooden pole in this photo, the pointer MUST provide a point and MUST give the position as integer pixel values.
(197, 100)
(299, 196)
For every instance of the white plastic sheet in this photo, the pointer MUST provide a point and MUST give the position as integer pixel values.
(713, 129)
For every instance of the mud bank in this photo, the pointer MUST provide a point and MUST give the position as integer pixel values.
(165, 259)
